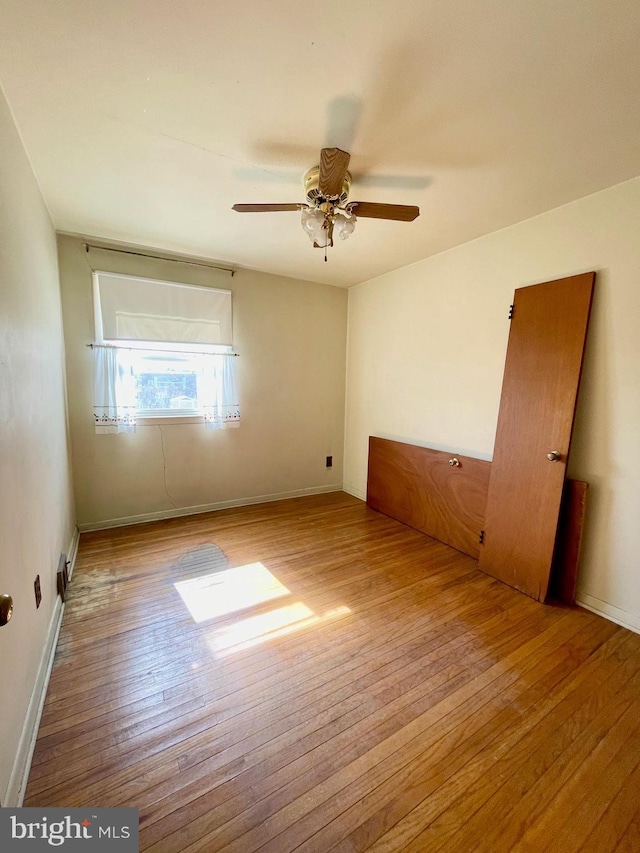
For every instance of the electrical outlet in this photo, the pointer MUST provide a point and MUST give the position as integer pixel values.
(37, 590)
(329, 461)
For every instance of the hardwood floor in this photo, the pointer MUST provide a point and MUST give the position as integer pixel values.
(369, 690)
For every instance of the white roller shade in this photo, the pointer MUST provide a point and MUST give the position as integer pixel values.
(143, 309)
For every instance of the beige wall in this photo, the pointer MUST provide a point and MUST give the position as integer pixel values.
(291, 336)
(426, 352)
(36, 506)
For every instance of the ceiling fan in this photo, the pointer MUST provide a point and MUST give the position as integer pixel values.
(327, 210)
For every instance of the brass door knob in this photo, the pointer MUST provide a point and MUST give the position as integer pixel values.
(6, 609)
(455, 462)
(554, 456)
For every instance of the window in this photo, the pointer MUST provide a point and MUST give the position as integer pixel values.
(162, 349)
(166, 382)
(175, 383)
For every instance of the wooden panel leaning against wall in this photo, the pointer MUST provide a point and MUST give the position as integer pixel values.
(419, 487)
(535, 422)
(434, 492)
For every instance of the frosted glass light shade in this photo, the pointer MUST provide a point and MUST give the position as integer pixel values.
(312, 220)
(344, 227)
(321, 237)
(314, 224)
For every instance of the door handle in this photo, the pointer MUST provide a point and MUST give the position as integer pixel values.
(6, 609)
(554, 456)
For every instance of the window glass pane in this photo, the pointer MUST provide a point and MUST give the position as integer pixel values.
(168, 383)
(176, 382)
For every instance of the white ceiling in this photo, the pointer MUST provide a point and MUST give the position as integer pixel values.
(145, 120)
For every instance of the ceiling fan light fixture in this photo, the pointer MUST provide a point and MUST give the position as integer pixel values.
(344, 226)
(312, 220)
(317, 225)
(322, 238)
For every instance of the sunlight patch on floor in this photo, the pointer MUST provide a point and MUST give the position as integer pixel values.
(228, 591)
(267, 626)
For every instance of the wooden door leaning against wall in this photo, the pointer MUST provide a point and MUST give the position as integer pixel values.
(535, 422)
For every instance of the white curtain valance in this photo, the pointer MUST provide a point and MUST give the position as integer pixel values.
(142, 309)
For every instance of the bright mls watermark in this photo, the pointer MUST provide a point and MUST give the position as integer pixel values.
(84, 830)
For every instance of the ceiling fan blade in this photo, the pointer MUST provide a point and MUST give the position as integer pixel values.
(372, 210)
(267, 208)
(334, 163)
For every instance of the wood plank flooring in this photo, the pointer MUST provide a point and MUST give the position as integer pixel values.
(369, 689)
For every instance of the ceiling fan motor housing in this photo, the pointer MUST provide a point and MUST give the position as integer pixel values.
(314, 196)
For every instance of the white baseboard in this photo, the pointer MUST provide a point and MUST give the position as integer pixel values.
(72, 553)
(213, 507)
(609, 611)
(354, 492)
(14, 795)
